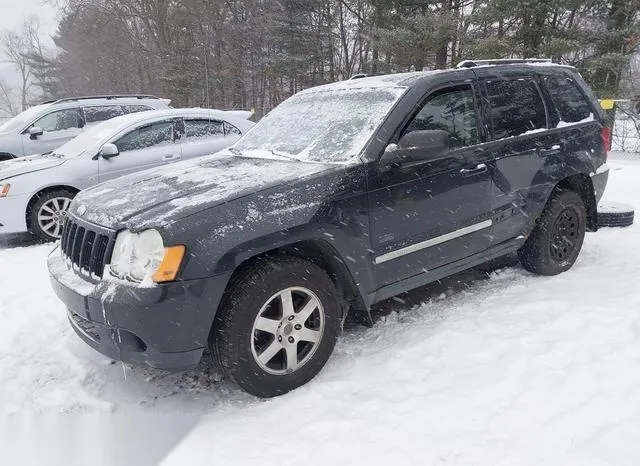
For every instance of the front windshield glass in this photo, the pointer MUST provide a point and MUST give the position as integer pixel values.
(89, 140)
(18, 122)
(325, 126)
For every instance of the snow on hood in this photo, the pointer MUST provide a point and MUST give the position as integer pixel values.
(159, 196)
(29, 164)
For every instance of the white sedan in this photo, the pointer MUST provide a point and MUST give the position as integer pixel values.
(35, 191)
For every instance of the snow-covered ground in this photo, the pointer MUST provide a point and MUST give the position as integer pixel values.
(509, 369)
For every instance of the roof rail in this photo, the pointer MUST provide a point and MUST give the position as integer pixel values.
(502, 61)
(106, 96)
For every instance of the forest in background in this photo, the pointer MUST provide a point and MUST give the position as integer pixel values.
(255, 53)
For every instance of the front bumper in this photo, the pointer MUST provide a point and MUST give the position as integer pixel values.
(165, 327)
(13, 214)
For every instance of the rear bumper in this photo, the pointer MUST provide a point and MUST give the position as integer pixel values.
(13, 214)
(165, 326)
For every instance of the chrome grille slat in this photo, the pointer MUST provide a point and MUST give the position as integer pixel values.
(86, 247)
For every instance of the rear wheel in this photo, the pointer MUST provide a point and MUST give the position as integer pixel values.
(556, 240)
(277, 326)
(47, 214)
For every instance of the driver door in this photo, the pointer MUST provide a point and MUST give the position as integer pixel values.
(58, 127)
(146, 146)
(436, 210)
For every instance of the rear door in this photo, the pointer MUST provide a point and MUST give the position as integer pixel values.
(145, 146)
(97, 113)
(521, 144)
(202, 136)
(427, 214)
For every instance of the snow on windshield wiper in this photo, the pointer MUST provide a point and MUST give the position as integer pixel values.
(285, 155)
(51, 154)
(235, 151)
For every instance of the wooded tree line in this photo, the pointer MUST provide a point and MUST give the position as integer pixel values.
(255, 53)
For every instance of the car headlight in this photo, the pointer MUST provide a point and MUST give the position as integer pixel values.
(4, 189)
(142, 257)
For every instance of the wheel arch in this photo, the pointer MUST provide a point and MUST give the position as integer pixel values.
(583, 186)
(320, 253)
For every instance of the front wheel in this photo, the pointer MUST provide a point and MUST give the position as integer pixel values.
(47, 214)
(556, 240)
(277, 326)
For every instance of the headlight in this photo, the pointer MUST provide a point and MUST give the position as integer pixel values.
(142, 257)
(4, 190)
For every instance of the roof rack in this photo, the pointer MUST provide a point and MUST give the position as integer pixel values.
(106, 96)
(502, 61)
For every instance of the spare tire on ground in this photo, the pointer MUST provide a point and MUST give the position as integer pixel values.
(614, 214)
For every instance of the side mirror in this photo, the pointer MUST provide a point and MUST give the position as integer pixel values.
(109, 151)
(35, 131)
(417, 146)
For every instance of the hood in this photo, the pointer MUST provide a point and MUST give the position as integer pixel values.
(163, 195)
(29, 164)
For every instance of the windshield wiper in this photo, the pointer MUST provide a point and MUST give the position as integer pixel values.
(285, 155)
(235, 151)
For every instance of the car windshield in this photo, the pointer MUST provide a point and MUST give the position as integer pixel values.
(18, 122)
(325, 126)
(89, 140)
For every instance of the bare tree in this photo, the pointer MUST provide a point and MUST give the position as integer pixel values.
(15, 48)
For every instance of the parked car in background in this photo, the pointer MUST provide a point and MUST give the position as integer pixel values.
(341, 197)
(36, 191)
(45, 127)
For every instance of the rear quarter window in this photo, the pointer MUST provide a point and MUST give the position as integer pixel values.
(515, 107)
(570, 103)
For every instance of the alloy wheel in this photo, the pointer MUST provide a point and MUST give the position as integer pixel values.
(52, 214)
(287, 331)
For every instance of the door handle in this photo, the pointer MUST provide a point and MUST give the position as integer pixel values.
(553, 150)
(480, 168)
(170, 157)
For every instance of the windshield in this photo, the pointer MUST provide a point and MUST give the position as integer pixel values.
(89, 140)
(18, 122)
(325, 126)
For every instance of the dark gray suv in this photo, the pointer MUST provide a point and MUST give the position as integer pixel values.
(343, 196)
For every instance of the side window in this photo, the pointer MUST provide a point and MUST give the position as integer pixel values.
(60, 120)
(229, 129)
(96, 114)
(516, 107)
(198, 129)
(135, 108)
(571, 104)
(154, 134)
(451, 110)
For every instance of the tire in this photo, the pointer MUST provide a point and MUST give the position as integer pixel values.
(49, 209)
(255, 335)
(556, 240)
(615, 214)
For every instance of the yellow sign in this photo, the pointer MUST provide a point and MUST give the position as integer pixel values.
(607, 104)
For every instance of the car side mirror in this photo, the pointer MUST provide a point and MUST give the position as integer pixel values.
(109, 151)
(35, 131)
(416, 146)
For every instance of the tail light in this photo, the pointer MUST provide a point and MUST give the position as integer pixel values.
(606, 138)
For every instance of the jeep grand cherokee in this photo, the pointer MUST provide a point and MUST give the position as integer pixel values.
(343, 196)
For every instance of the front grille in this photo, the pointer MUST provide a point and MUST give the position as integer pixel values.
(87, 247)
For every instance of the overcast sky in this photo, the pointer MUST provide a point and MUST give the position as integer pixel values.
(12, 16)
(13, 12)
